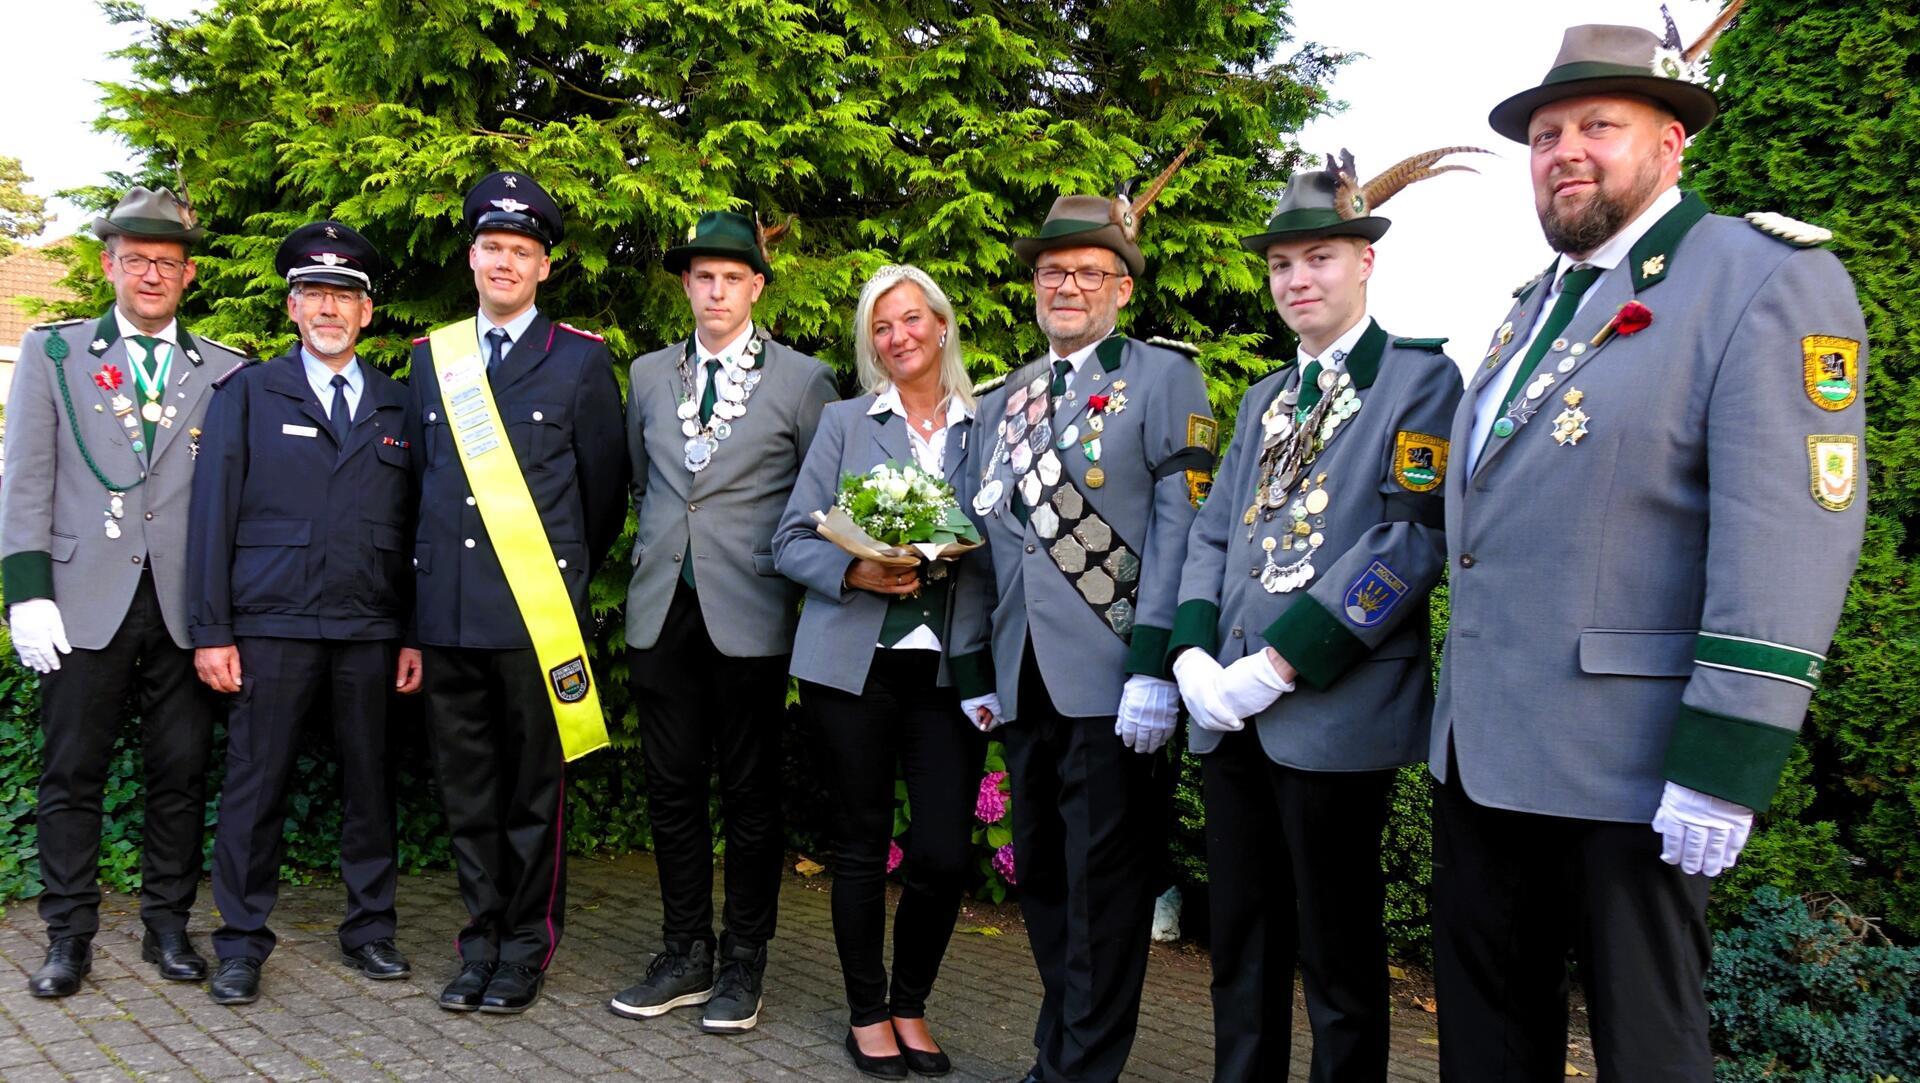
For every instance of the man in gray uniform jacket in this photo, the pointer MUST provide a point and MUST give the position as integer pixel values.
(103, 429)
(1093, 459)
(1311, 563)
(1666, 417)
(717, 427)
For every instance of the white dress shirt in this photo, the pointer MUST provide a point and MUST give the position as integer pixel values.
(733, 353)
(929, 454)
(1340, 347)
(169, 337)
(514, 329)
(320, 378)
(1488, 407)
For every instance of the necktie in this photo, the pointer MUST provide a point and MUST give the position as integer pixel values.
(149, 380)
(1060, 370)
(497, 339)
(712, 393)
(341, 417)
(1572, 287)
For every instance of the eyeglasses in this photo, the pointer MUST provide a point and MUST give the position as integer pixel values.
(320, 295)
(1089, 279)
(137, 265)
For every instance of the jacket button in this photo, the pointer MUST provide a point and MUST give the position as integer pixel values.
(431, 416)
(416, 562)
(538, 416)
(149, 516)
(563, 562)
(1237, 633)
(1466, 560)
(469, 543)
(469, 502)
(676, 558)
(1029, 548)
(136, 560)
(1253, 573)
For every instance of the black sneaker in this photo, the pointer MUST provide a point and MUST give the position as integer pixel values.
(676, 977)
(735, 1004)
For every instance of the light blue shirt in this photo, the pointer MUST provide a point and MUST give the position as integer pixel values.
(320, 378)
(514, 329)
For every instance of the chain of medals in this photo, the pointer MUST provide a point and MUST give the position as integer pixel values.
(1291, 439)
(735, 383)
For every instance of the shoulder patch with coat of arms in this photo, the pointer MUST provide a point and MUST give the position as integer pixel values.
(1831, 370)
(1833, 463)
(1419, 460)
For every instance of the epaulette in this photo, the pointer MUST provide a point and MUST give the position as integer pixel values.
(1791, 230)
(229, 374)
(222, 345)
(991, 382)
(1433, 344)
(577, 331)
(55, 325)
(422, 340)
(1175, 345)
(1529, 284)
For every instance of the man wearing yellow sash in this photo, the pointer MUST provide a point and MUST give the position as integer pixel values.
(523, 491)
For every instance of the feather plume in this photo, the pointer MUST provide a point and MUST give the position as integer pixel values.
(1411, 170)
(1672, 38)
(1125, 211)
(766, 236)
(1714, 29)
(1349, 199)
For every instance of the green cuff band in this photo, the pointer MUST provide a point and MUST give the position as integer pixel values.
(1147, 652)
(1759, 658)
(972, 673)
(1315, 643)
(1732, 758)
(26, 575)
(1195, 624)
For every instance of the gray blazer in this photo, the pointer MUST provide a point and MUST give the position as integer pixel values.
(1651, 602)
(839, 628)
(729, 510)
(53, 509)
(1364, 698)
(1157, 456)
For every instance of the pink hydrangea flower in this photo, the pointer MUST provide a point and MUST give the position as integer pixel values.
(1003, 863)
(894, 855)
(990, 807)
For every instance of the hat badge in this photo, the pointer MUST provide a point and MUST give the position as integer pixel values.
(510, 205)
(332, 232)
(693, 233)
(328, 258)
(511, 181)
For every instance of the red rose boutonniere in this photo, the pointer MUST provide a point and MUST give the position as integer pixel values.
(1096, 402)
(108, 378)
(1632, 318)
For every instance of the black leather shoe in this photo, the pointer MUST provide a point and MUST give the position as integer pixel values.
(513, 989)
(463, 993)
(236, 982)
(68, 960)
(380, 960)
(894, 1067)
(175, 955)
(921, 1062)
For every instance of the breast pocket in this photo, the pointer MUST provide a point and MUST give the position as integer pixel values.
(270, 563)
(437, 437)
(539, 431)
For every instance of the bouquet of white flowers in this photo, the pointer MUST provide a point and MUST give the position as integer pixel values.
(898, 515)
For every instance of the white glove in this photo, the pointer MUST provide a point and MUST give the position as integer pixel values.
(1700, 832)
(39, 635)
(1148, 707)
(1199, 677)
(1250, 685)
(971, 708)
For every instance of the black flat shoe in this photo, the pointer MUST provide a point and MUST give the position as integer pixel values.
(174, 954)
(237, 982)
(894, 1067)
(379, 960)
(921, 1062)
(463, 993)
(1033, 1075)
(68, 960)
(513, 989)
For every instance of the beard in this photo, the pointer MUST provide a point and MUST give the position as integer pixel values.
(1583, 228)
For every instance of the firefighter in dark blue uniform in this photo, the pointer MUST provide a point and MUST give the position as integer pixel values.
(496, 749)
(298, 593)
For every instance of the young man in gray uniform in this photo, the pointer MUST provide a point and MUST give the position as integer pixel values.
(1666, 417)
(1093, 459)
(103, 430)
(1310, 565)
(717, 427)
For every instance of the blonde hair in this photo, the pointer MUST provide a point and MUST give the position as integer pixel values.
(873, 376)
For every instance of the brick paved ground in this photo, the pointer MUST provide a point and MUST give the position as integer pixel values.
(317, 1020)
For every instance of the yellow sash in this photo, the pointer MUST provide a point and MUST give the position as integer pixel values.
(519, 538)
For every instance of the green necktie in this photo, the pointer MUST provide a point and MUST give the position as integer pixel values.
(152, 346)
(1309, 389)
(712, 393)
(1060, 370)
(1572, 287)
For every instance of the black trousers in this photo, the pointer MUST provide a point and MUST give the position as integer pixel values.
(281, 681)
(503, 782)
(82, 706)
(1293, 877)
(699, 710)
(1089, 831)
(902, 719)
(1514, 892)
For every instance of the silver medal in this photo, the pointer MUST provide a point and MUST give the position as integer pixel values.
(1030, 489)
(1565, 365)
(1022, 460)
(687, 410)
(722, 430)
(1049, 469)
(699, 453)
(690, 428)
(988, 497)
(1067, 436)
(1046, 522)
(1016, 401)
(113, 529)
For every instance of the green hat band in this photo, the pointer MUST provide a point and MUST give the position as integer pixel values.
(1596, 69)
(1302, 218)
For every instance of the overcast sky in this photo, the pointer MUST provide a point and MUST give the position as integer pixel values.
(1427, 77)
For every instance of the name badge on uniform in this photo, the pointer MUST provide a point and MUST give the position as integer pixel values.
(299, 430)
